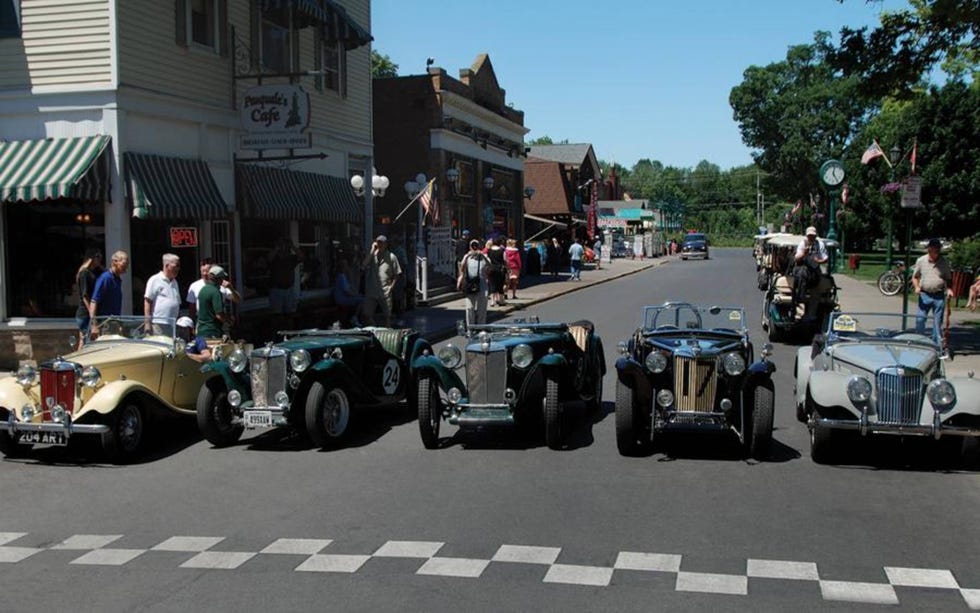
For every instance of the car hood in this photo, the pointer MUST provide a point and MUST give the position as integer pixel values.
(696, 346)
(510, 340)
(314, 343)
(105, 353)
(872, 356)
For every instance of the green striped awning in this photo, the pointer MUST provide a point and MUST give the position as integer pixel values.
(277, 193)
(54, 168)
(337, 24)
(172, 188)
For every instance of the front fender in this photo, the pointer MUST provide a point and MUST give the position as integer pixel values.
(829, 389)
(13, 396)
(759, 371)
(967, 396)
(109, 396)
(338, 368)
(430, 365)
(634, 376)
(233, 381)
(418, 351)
(804, 362)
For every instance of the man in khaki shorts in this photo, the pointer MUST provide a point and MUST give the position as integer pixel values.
(381, 271)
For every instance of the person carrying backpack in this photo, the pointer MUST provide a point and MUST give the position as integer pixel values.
(472, 281)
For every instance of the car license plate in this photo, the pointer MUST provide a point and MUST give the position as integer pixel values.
(43, 438)
(258, 419)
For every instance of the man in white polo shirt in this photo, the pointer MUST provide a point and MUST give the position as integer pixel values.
(161, 300)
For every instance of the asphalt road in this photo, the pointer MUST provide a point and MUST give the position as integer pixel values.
(493, 523)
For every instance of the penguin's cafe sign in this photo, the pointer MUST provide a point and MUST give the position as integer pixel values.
(275, 117)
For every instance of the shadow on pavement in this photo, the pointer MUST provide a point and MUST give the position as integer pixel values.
(710, 446)
(907, 454)
(579, 422)
(367, 425)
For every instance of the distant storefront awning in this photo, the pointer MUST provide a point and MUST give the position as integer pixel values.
(54, 168)
(172, 188)
(336, 23)
(634, 214)
(277, 193)
(545, 220)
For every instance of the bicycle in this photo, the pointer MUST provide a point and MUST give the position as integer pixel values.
(891, 281)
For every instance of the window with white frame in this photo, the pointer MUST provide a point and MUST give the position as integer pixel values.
(276, 54)
(331, 66)
(202, 23)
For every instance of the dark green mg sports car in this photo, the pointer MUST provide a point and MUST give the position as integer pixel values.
(521, 371)
(311, 381)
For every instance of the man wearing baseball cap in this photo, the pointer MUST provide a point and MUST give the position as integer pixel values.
(210, 305)
(932, 279)
(196, 348)
(810, 254)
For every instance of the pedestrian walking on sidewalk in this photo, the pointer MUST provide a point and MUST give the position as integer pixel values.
(472, 281)
(932, 279)
(381, 270)
(575, 254)
(597, 249)
(513, 257)
(554, 256)
(498, 273)
(85, 280)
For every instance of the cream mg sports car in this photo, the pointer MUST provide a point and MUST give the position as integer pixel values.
(874, 375)
(109, 389)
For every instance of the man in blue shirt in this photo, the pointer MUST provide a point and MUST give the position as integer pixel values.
(107, 296)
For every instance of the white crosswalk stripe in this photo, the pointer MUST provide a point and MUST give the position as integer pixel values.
(95, 551)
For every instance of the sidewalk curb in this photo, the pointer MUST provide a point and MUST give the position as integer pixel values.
(437, 336)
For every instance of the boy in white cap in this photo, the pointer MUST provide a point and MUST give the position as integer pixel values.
(197, 348)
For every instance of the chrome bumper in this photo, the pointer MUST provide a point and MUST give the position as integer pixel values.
(936, 430)
(67, 427)
(473, 415)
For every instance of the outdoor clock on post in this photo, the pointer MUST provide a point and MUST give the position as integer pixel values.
(832, 173)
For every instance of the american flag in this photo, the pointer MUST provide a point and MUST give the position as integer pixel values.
(872, 152)
(430, 205)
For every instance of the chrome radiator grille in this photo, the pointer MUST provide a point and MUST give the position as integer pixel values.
(694, 384)
(899, 396)
(268, 375)
(486, 376)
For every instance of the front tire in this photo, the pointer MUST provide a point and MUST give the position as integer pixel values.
(821, 441)
(763, 407)
(552, 414)
(127, 431)
(327, 414)
(430, 412)
(633, 427)
(11, 448)
(215, 416)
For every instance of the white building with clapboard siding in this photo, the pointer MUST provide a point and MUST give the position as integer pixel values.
(155, 87)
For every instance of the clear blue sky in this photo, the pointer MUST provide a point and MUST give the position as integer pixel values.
(636, 78)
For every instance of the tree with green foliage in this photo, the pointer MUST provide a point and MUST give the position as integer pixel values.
(894, 57)
(797, 113)
(382, 67)
(546, 140)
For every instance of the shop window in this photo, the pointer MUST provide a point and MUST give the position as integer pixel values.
(334, 67)
(221, 243)
(41, 282)
(259, 238)
(9, 18)
(464, 187)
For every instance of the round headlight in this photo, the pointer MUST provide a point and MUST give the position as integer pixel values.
(454, 395)
(91, 376)
(235, 398)
(26, 375)
(337, 353)
(27, 412)
(941, 394)
(237, 360)
(58, 413)
(858, 389)
(282, 399)
(299, 360)
(656, 362)
(665, 398)
(522, 355)
(733, 364)
(450, 356)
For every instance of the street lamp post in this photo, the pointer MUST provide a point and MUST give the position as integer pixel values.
(379, 184)
(893, 158)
